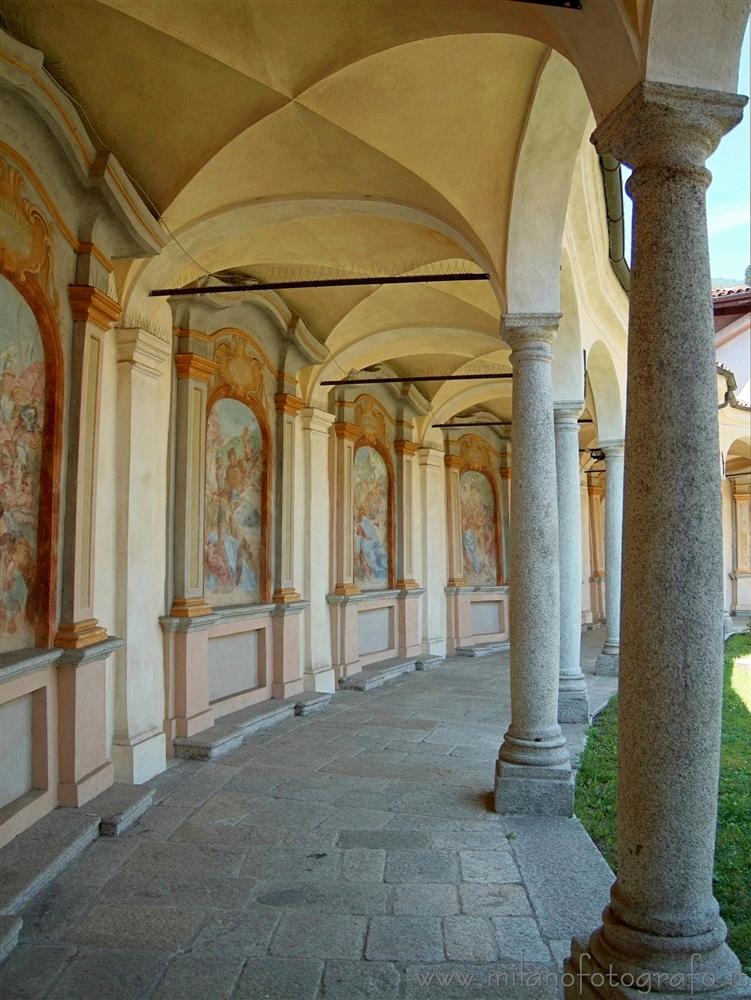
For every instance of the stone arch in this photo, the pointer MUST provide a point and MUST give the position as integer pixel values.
(557, 121)
(568, 359)
(702, 50)
(606, 393)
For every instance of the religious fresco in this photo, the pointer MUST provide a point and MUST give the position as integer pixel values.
(370, 492)
(22, 377)
(234, 491)
(477, 504)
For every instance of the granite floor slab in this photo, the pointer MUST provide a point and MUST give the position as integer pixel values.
(350, 853)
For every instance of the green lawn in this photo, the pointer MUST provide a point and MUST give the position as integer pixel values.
(596, 803)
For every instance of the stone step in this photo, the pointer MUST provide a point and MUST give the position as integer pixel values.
(33, 858)
(482, 649)
(310, 701)
(377, 674)
(10, 928)
(229, 733)
(119, 807)
(429, 662)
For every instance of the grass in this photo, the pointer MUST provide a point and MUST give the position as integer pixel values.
(596, 801)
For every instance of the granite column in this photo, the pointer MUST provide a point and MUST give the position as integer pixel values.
(573, 696)
(533, 772)
(662, 932)
(607, 661)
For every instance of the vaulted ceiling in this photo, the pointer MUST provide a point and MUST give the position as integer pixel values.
(322, 138)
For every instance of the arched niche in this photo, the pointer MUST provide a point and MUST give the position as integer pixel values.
(478, 508)
(30, 413)
(373, 514)
(236, 502)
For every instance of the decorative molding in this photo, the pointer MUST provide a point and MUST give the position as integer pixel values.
(26, 244)
(370, 418)
(77, 635)
(239, 368)
(195, 367)
(406, 447)
(143, 351)
(190, 607)
(90, 305)
(286, 403)
(475, 453)
(346, 431)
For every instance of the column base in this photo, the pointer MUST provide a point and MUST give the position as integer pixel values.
(607, 662)
(585, 979)
(533, 790)
(138, 760)
(320, 680)
(573, 706)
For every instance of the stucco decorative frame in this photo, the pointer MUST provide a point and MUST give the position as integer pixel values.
(31, 274)
(476, 457)
(371, 420)
(252, 395)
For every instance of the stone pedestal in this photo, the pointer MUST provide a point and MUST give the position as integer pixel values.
(84, 766)
(287, 628)
(533, 774)
(573, 696)
(186, 678)
(662, 924)
(607, 661)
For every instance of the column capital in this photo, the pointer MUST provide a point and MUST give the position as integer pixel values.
(143, 351)
(194, 366)
(530, 333)
(347, 431)
(406, 447)
(317, 421)
(453, 461)
(668, 125)
(289, 404)
(430, 456)
(567, 412)
(90, 305)
(613, 447)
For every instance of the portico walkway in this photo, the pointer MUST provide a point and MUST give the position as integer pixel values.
(353, 853)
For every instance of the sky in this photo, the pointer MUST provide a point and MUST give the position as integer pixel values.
(728, 194)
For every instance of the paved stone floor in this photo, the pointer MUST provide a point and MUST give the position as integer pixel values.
(348, 854)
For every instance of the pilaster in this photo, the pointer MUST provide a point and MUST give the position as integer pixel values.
(345, 435)
(454, 466)
(138, 750)
(316, 434)
(406, 451)
(607, 661)
(287, 409)
(193, 374)
(94, 313)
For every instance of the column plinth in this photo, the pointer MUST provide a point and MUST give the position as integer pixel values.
(573, 695)
(607, 661)
(533, 772)
(661, 931)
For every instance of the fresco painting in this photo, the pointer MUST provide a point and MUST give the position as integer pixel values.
(22, 378)
(477, 505)
(371, 509)
(234, 491)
